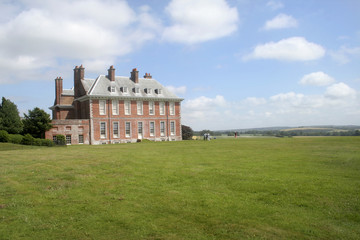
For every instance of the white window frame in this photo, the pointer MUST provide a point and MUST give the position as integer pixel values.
(162, 108)
(139, 107)
(172, 108)
(152, 129)
(127, 129)
(81, 137)
(140, 127)
(116, 132)
(102, 107)
(162, 128)
(172, 128)
(115, 107)
(102, 128)
(151, 108)
(127, 107)
(112, 89)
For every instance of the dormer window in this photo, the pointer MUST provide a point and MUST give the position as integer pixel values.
(147, 90)
(136, 90)
(158, 91)
(112, 89)
(124, 89)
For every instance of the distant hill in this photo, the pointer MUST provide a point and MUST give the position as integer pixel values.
(300, 128)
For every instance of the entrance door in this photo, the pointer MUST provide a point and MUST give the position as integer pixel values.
(140, 130)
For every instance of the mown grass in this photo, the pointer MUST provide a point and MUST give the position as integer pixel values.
(259, 188)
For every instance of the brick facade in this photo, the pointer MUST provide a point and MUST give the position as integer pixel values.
(94, 111)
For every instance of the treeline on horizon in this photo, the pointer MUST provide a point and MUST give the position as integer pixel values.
(284, 133)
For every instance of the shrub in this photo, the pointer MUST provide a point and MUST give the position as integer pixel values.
(28, 140)
(37, 142)
(60, 140)
(16, 138)
(47, 142)
(4, 136)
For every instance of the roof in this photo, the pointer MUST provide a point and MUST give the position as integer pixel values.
(148, 88)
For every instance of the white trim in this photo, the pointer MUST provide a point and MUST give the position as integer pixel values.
(101, 136)
(100, 108)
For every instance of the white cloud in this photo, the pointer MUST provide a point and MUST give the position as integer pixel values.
(177, 90)
(317, 79)
(344, 54)
(290, 49)
(274, 5)
(340, 91)
(338, 104)
(281, 21)
(80, 31)
(199, 21)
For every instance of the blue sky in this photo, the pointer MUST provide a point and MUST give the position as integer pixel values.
(237, 63)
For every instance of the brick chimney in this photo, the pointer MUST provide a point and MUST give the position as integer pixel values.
(79, 73)
(148, 75)
(111, 73)
(135, 75)
(58, 89)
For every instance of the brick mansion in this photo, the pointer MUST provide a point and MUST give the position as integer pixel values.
(114, 109)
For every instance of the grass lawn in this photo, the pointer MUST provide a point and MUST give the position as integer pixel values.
(256, 188)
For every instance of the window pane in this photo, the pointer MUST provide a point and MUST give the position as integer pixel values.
(162, 128)
(116, 129)
(172, 108)
(127, 108)
(162, 108)
(172, 128)
(152, 128)
(115, 107)
(139, 108)
(102, 130)
(81, 138)
(151, 108)
(102, 107)
(68, 139)
(127, 129)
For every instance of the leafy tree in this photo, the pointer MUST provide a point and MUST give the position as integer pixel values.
(4, 136)
(187, 132)
(9, 117)
(37, 122)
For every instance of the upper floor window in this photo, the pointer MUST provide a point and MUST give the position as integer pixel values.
(124, 89)
(136, 90)
(115, 107)
(172, 108)
(151, 108)
(112, 89)
(102, 107)
(162, 108)
(139, 108)
(127, 107)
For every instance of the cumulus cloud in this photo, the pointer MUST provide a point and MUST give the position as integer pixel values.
(317, 79)
(290, 49)
(338, 104)
(340, 90)
(177, 90)
(40, 34)
(281, 21)
(199, 21)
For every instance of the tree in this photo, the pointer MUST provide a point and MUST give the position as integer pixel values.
(187, 132)
(9, 117)
(36, 123)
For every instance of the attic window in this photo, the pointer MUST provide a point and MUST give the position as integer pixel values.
(136, 90)
(124, 89)
(147, 90)
(158, 91)
(112, 89)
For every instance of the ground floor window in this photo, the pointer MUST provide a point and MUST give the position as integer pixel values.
(54, 139)
(152, 128)
(115, 129)
(81, 139)
(103, 130)
(127, 129)
(172, 128)
(68, 139)
(140, 130)
(162, 129)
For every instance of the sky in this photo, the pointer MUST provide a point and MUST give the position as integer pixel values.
(236, 63)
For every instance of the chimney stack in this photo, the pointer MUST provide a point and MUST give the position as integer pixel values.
(147, 75)
(79, 73)
(58, 90)
(111, 73)
(135, 75)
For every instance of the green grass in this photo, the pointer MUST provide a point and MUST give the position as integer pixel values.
(246, 188)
